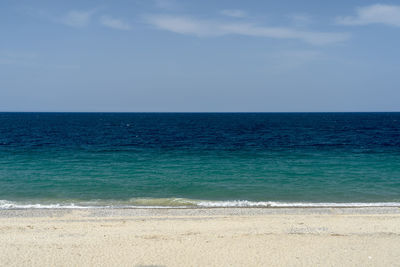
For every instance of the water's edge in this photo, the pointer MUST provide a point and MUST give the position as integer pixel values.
(188, 204)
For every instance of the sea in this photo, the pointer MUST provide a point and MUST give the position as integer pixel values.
(197, 160)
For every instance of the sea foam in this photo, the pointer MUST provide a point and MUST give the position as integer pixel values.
(186, 203)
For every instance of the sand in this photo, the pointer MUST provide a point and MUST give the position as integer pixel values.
(201, 237)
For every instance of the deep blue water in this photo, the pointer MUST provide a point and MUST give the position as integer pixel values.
(130, 159)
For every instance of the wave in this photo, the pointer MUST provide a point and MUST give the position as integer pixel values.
(182, 203)
(274, 204)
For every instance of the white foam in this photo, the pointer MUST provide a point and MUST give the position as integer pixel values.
(5, 204)
(187, 203)
(272, 204)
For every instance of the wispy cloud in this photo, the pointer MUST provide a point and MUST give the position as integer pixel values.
(382, 14)
(282, 61)
(235, 13)
(166, 4)
(18, 55)
(16, 58)
(30, 60)
(114, 23)
(300, 20)
(204, 28)
(73, 18)
(77, 18)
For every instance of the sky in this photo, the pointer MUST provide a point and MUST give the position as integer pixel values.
(199, 56)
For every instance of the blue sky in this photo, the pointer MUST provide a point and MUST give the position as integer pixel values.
(170, 55)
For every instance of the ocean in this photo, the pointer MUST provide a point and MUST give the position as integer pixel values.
(125, 160)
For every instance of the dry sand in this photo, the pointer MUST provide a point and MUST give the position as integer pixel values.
(201, 237)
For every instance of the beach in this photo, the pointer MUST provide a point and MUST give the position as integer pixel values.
(199, 133)
(201, 237)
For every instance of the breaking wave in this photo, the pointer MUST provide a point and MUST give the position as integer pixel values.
(181, 203)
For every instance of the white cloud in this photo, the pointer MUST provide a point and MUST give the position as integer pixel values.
(114, 23)
(236, 13)
(77, 18)
(203, 28)
(383, 14)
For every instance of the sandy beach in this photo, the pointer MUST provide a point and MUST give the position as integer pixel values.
(201, 237)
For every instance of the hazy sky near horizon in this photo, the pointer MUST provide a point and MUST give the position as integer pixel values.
(171, 55)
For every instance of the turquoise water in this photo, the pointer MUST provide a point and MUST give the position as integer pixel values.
(136, 160)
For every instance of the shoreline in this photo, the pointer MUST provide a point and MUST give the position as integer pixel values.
(181, 203)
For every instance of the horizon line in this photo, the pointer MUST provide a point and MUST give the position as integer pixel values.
(200, 111)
